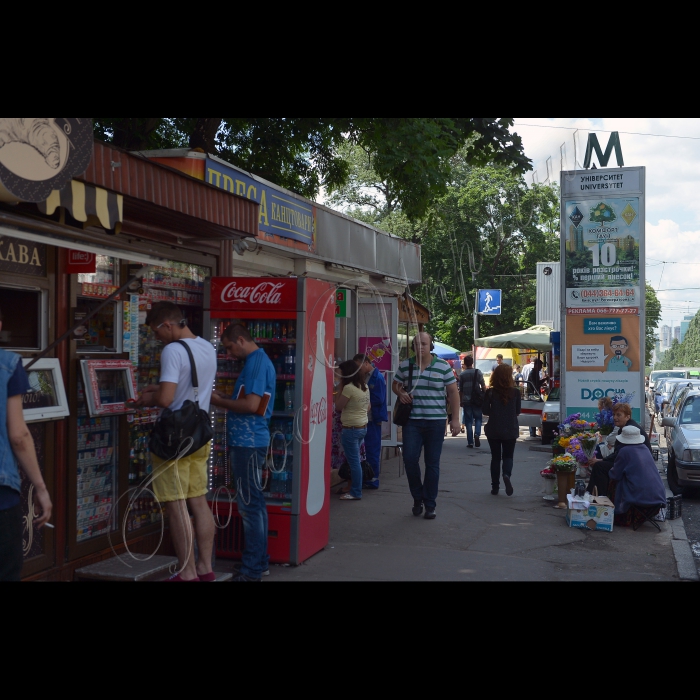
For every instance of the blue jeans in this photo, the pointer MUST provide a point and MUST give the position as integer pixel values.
(373, 447)
(473, 414)
(11, 558)
(248, 464)
(419, 434)
(352, 441)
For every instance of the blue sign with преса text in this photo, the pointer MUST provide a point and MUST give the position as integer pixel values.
(489, 302)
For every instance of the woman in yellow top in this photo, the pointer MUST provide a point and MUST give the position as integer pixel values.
(352, 398)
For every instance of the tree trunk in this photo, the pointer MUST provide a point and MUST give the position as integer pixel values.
(204, 134)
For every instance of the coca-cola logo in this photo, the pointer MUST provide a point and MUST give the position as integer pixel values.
(319, 412)
(263, 293)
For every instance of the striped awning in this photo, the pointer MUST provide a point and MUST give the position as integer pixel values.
(93, 206)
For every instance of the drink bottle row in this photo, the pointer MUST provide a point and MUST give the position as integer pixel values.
(272, 330)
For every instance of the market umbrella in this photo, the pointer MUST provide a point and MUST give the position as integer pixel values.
(445, 352)
(534, 338)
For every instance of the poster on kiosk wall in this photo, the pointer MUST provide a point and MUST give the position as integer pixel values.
(603, 285)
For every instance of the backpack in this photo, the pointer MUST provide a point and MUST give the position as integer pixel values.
(477, 397)
(367, 472)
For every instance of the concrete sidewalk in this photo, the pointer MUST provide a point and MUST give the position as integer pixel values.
(478, 537)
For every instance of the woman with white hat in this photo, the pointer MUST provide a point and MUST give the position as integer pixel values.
(600, 468)
(636, 474)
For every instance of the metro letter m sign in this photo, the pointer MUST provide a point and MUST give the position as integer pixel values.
(603, 158)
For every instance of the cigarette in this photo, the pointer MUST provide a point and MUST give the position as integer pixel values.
(50, 526)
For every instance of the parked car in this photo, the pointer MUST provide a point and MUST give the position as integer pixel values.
(683, 441)
(676, 389)
(659, 375)
(663, 391)
(532, 404)
(551, 416)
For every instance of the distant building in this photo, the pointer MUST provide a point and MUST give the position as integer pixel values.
(685, 324)
(677, 333)
(665, 337)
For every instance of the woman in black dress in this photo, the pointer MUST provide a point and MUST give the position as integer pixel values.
(502, 406)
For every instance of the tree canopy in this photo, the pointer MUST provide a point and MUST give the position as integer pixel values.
(653, 318)
(687, 353)
(488, 231)
(413, 155)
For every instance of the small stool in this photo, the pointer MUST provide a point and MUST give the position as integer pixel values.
(644, 514)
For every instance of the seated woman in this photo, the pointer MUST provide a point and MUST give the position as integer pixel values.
(600, 468)
(638, 482)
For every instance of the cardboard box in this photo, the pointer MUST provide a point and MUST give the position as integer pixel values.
(600, 515)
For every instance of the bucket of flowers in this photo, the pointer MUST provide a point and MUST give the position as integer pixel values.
(564, 466)
(550, 479)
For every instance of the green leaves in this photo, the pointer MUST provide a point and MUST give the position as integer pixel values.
(653, 318)
(412, 156)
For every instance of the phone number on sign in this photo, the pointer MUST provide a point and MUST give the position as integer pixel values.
(607, 293)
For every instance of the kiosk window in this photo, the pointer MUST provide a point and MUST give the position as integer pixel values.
(21, 326)
(113, 386)
(98, 333)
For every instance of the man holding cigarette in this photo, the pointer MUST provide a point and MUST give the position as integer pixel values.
(16, 446)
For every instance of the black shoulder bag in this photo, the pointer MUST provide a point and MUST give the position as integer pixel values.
(477, 394)
(402, 411)
(175, 427)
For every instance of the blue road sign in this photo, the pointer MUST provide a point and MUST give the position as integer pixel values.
(490, 302)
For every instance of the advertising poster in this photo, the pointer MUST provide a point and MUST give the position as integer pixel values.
(607, 344)
(603, 287)
(602, 253)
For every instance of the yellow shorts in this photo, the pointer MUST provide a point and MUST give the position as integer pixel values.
(186, 478)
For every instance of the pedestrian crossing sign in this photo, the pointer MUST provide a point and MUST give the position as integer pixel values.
(490, 302)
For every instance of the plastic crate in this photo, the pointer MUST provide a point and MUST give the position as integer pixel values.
(230, 540)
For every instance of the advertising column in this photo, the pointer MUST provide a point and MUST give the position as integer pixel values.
(602, 252)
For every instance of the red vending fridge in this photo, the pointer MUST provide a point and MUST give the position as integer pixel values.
(293, 320)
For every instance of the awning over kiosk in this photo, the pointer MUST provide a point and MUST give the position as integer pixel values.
(93, 206)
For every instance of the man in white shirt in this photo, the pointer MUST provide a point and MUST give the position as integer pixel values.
(183, 483)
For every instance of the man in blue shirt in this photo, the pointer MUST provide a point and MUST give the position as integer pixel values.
(379, 414)
(248, 423)
(16, 446)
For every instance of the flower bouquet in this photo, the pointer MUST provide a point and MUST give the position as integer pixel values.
(574, 425)
(605, 421)
(563, 464)
(549, 473)
(582, 447)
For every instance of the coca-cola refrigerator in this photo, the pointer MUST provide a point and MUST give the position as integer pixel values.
(293, 320)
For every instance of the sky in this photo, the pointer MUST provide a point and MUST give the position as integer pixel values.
(672, 186)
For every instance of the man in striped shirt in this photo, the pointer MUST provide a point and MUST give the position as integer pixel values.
(432, 377)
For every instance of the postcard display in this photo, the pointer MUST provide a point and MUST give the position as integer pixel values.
(292, 320)
(98, 428)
